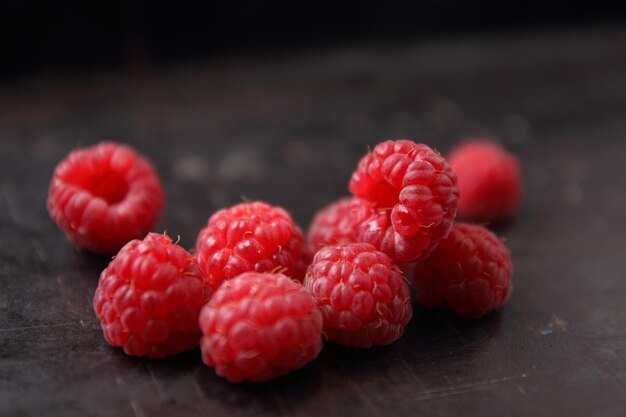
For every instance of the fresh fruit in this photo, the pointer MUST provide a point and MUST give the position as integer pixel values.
(259, 326)
(363, 297)
(251, 237)
(414, 194)
(470, 270)
(339, 222)
(149, 297)
(105, 195)
(490, 180)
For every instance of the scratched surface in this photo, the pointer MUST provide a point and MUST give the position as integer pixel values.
(289, 130)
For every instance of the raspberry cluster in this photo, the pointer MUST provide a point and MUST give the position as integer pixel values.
(339, 221)
(149, 297)
(415, 194)
(406, 202)
(105, 195)
(471, 270)
(363, 296)
(251, 237)
(489, 179)
(259, 326)
(254, 296)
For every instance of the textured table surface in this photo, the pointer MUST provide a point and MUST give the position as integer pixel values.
(289, 130)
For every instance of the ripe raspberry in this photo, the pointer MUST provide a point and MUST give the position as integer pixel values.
(251, 237)
(415, 194)
(103, 196)
(259, 326)
(489, 180)
(149, 297)
(470, 269)
(339, 222)
(363, 297)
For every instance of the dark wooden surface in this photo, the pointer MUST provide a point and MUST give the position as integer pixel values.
(289, 130)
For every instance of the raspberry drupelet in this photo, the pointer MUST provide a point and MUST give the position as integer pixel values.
(149, 297)
(489, 178)
(363, 297)
(251, 237)
(471, 270)
(259, 326)
(103, 196)
(415, 196)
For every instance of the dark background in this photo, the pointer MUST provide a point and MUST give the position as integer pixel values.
(52, 37)
(278, 102)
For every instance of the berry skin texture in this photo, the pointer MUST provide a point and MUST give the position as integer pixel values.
(471, 270)
(259, 326)
(490, 180)
(415, 196)
(363, 297)
(251, 237)
(149, 297)
(103, 196)
(339, 222)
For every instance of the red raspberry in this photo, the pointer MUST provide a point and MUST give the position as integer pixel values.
(259, 326)
(471, 269)
(251, 237)
(149, 297)
(339, 222)
(489, 180)
(415, 193)
(363, 297)
(103, 196)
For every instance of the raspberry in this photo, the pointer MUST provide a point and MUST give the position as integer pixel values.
(471, 269)
(363, 297)
(251, 237)
(149, 297)
(259, 326)
(339, 222)
(103, 196)
(415, 194)
(489, 180)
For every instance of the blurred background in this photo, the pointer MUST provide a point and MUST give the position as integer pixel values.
(50, 37)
